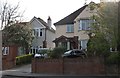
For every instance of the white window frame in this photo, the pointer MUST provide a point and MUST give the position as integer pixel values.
(37, 31)
(41, 31)
(86, 23)
(83, 42)
(5, 50)
(70, 28)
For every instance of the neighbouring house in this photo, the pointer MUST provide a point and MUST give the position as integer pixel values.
(43, 34)
(71, 30)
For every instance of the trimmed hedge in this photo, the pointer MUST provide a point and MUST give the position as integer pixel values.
(24, 59)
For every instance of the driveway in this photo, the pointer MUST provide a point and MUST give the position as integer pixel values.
(21, 70)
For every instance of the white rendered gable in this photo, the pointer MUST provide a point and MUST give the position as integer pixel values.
(36, 24)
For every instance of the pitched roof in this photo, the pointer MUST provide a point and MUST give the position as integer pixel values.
(70, 18)
(45, 24)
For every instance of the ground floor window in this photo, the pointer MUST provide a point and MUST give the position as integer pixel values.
(5, 50)
(83, 44)
(35, 49)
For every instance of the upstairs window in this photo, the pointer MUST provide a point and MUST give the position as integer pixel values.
(85, 24)
(37, 32)
(70, 28)
(41, 32)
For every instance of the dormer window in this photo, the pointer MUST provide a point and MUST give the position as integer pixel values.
(70, 28)
(85, 24)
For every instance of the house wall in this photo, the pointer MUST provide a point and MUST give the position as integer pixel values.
(61, 30)
(50, 36)
(38, 41)
(85, 14)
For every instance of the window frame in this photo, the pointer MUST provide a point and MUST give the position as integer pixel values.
(81, 43)
(86, 22)
(5, 50)
(41, 32)
(70, 28)
(38, 32)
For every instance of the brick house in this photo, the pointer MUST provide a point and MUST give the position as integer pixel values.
(75, 25)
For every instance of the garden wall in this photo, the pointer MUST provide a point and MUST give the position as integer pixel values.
(8, 61)
(73, 66)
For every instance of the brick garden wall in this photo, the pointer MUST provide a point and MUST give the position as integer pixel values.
(8, 61)
(74, 66)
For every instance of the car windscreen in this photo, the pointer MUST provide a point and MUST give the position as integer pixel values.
(68, 52)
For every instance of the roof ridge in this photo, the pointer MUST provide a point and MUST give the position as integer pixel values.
(70, 18)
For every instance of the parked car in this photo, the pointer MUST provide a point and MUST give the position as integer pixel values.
(75, 53)
(38, 55)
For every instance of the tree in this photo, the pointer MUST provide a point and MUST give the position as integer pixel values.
(118, 46)
(98, 45)
(18, 34)
(9, 14)
(106, 22)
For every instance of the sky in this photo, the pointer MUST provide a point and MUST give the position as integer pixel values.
(56, 9)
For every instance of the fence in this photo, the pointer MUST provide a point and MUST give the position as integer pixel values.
(74, 66)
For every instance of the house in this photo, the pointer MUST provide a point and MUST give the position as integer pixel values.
(71, 30)
(43, 34)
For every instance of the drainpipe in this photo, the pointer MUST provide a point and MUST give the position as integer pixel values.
(45, 42)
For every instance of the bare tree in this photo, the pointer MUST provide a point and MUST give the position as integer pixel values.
(9, 14)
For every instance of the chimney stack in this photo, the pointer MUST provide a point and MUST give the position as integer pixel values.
(49, 22)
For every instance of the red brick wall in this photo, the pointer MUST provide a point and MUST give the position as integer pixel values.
(8, 61)
(76, 66)
(49, 66)
(91, 66)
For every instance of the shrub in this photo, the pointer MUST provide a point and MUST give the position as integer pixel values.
(57, 52)
(98, 46)
(114, 58)
(43, 51)
(24, 59)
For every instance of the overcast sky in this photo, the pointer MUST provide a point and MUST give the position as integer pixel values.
(56, 9)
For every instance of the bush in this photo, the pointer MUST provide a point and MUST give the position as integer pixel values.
(98, 46)
(57, 52)
(24, 59)
(114, 58)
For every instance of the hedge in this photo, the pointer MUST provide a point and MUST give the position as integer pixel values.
(24, 59)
